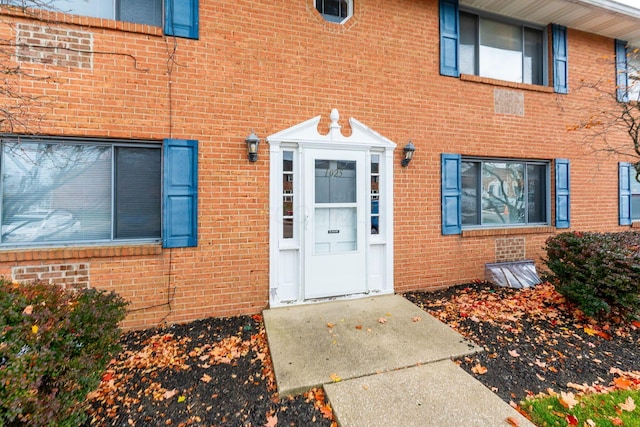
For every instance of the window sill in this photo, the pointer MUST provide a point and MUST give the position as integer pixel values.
(51, 17)
(79, 252)
(508, 231)
(504, 83)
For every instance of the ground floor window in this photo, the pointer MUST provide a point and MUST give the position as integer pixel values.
(504, 192)
(335, 10)
(67, 191)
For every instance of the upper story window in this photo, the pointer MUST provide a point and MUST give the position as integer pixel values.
(335, 10)
(634, 73)
(501, 50)
(178, 17)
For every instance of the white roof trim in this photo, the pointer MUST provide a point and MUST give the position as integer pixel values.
(307, 132)
(607, 18)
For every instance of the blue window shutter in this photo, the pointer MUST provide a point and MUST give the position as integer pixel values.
(449, 35)
(451, 194)
(180, 193)
(624, 193)
(181, 18)
(563, 201)
(560, 60)
(622, 76)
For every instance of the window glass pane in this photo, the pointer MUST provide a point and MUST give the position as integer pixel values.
(470, 172)
(634, 73)
(55, 192)
(94, 8)
(140, 11)
(335, 181)
(468, 43)
(137, 193)
(500, 50)
(375, 194)
(532, 56)
(503, 193)
(536, 193)
(287, 198)
(333, 10)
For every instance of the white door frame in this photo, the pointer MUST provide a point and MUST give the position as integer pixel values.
(287, 243)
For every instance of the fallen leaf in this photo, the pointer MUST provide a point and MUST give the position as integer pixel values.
(206, 378)
(382, 320)
(622, 383)
(571, 420)
(616, 421)
(589, 423)
(589, 331)
(358, 327)
(513, 422)
(272, 421)
(330, 325)
(629, 405)
(416, 319)
(514, 353)
(182, 399)
(567, 399)
(636, 323)
(335, 378)
(28, 310)
(479, 369)
(34, 329)
(169, 393)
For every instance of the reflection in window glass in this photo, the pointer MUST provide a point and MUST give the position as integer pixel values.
(66, 193)
(635, 195)
(335, 181)
(499, 50)
(504, 193)
(334, 10)
(634, 73)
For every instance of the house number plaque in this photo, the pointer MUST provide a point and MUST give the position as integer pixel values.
(333, 231)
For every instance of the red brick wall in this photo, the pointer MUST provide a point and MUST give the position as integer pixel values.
(265, 66)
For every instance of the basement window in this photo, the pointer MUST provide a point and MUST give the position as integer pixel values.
(337, 11)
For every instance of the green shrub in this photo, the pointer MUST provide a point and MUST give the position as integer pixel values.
(54, 346)
(600, 272)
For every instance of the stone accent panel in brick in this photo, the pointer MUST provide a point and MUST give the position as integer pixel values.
(63, 47)
(508, 102)
(510, 249)
(69, 276)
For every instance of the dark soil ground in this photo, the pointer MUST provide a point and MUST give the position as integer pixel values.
(217, 372)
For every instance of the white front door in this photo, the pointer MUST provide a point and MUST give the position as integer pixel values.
(335, 223)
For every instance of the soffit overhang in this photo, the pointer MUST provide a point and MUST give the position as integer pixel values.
(604, 17)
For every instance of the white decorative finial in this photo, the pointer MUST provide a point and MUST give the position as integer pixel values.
(335, 116)
(334, 128)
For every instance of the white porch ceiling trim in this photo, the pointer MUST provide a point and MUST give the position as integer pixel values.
(604, 17)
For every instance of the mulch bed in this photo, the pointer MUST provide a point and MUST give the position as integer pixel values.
(535, 342)
(217, 372)
(213, 372)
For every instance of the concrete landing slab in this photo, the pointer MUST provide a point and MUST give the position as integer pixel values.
(312, 345)
(434, 395)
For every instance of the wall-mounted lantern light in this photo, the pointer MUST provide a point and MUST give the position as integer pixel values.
(252, 146)
(409, 149)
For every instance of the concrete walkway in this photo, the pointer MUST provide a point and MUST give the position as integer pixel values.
(382, 362)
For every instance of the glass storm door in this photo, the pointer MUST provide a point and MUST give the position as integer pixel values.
(335, 223)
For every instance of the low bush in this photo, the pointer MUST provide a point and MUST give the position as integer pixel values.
(600, 272)
(54, 346)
